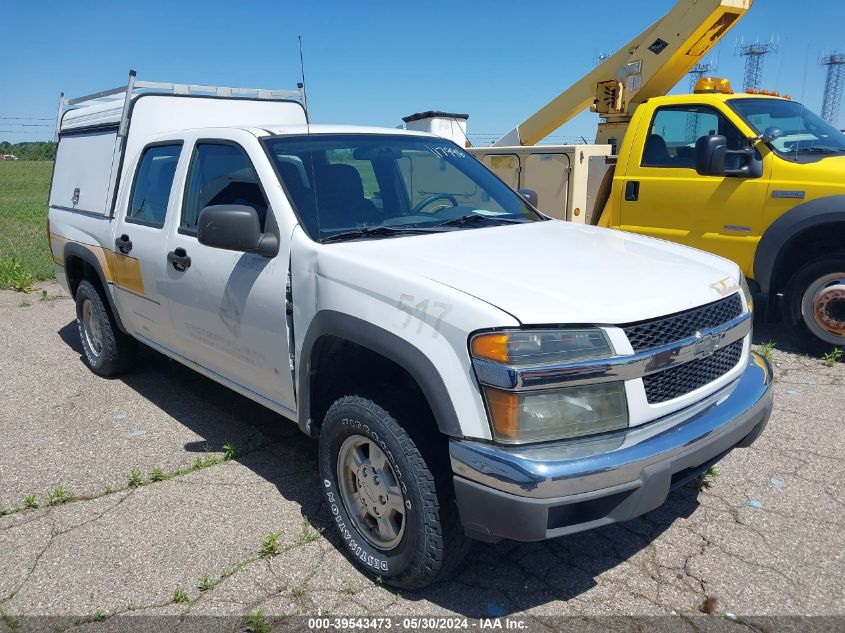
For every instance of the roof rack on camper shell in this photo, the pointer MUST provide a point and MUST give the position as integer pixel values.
(112, 106)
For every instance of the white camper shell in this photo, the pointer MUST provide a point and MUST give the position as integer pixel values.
(100, 129)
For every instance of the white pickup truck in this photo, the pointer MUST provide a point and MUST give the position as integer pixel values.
(470, 367)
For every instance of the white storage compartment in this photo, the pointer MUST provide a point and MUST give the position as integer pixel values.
(83, 171)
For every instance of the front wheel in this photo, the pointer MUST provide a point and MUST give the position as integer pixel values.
(814, 304)
(396, 516)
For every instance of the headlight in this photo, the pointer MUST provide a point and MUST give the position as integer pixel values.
(518, 417)
(746, 292)
(538, 416)
(531, 347)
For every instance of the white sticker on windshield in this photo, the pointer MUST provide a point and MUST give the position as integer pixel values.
(446, 152)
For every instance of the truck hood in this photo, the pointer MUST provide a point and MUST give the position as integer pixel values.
(559, 273)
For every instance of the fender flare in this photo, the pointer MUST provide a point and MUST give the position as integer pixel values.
(826, 210)
(75, 249)
(392, 347)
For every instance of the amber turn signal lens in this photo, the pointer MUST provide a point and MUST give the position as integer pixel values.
(504, 412)
(493, 346)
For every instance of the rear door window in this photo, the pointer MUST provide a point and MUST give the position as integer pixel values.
(153, 182)
(220, 173)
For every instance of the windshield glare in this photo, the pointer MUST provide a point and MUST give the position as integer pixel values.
(803, 130)
(348, 182)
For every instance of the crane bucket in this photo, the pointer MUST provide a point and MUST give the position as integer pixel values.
(647, 66)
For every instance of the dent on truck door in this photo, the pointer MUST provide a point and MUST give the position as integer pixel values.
(137, 259)
(663, 196)
(228, 307)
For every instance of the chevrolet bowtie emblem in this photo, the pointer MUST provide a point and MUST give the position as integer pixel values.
(706, 344)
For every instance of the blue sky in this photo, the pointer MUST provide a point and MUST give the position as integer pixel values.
(374, 62)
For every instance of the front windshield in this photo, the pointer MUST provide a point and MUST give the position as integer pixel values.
(366, 185)
(803, 131)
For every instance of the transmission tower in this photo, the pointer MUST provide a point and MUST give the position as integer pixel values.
(835, 63)
(696, 72)
(755, 55)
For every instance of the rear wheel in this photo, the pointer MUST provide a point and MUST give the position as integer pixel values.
(107, 350)
(394, 507)
(814, 304)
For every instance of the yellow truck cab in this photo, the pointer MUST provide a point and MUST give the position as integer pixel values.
(756, 178)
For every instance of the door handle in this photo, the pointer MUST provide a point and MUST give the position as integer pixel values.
(632, 190)
(123, 243)
(180, 259)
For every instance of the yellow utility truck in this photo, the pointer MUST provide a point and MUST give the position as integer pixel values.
(753, 177)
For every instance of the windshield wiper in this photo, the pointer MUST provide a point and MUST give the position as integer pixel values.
(817, 150)
(477, 218)
(375, 231)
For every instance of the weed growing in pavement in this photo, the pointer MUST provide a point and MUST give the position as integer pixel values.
(24, 304)
(210, 460)
(205, 583)
(44, 296)
(13, 275)
(179, 595)
(309, 534)
(3, 512)
(10, 621)
(832, 357)
(109, 489)
(198, 463)
(99, 615)
(706, 481)
(59, 496)
(31, 502)
(257, 623)
(157, 474)
(135, 478)
(229, 452)
(766, 350)
(270, 545)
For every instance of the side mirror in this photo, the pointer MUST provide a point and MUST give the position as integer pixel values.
(712, 157)
(235, 227)
(530, 195)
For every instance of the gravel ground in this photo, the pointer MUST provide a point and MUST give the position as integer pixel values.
(766, 539)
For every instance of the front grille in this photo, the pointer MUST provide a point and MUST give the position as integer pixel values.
(648, 334)
(680, 380)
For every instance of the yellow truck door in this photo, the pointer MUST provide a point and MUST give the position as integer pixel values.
(662, 195)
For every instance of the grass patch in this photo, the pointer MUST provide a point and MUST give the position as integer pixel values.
(766, 350)
(134, 479)
(31, 502)
(59, 496)
(706, 481)
(205, 583)
(832, 357)
(270, 545)
(157, 474)
(24, 253)
(13, 275)
(229, 452)
(180, 595)
(256, 622)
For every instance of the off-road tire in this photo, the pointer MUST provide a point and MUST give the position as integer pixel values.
(433, 543)
(119, 350)
(794, 317)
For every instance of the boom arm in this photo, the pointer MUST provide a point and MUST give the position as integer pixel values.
(648, 66)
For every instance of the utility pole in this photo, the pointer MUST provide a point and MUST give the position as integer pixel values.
(835, 63)
(755, 55)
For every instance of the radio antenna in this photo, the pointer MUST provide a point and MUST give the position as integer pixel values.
(308, 137)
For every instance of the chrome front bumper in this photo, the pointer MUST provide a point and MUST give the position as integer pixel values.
(547, 490)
